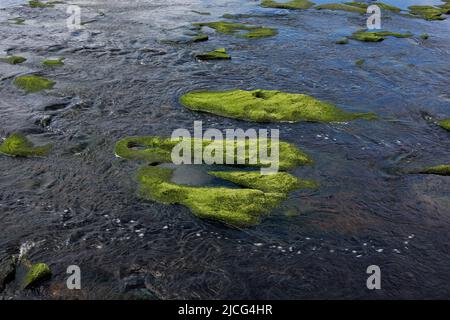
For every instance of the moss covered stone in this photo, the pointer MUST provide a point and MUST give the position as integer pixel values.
(293, 5)
(37, 273)
(158, 150)
(360, 62)
(267, 106)
(53, 62)
(238, 29)
(445, 124)
(17, 145)
(377, 36)
(218, 54)
(442, 170)
(281, 182)
(342, 41)
(40, 4)
(200, 38)
(13, 59)
(235, 207)
(379, 4)
(427, 12)
(340, 7)
(33, 83)
(18, 21)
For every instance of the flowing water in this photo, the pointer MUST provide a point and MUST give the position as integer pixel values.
(123, 75)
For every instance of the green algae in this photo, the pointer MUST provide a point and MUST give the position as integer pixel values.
(379, 4)
(33, 83)
(53, 62)
(445, 124)
(13, 59)
(18, 21)
(360, 62)
(39, 4)
(281, 182)
(218, 54)
(234, 207)
(293, 5)
(200, 38)
(342, 41)
(442, 170)
(427, 12)
(37, 273)
(376, 36)
(202, 13)
(267, 106)
(17, 145)
(424, 36)
(238, 29)
(340, 7)
(158, 150)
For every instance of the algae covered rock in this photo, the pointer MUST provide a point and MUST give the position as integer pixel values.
(267, 106)
(442, 170)
(156, 150)
(218, 54)
(200, 38)
(293, 4)
(40, 4)
(382, 5)
(13, 59)
(377, 36)
(281, 182)
(234, 207)
(53, 62)
(427, 12)
(445, 124)
(38, 272)
(17, 145)
(341, 7)
(33, 83)
(238, 29)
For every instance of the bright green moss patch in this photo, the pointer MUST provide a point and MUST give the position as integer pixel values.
(442, 170)
(281, 182)
(235, 207)
(39, 4)
(267, 106)
(238, 29)
(37, 273)
(17, 145)
(376, 36)
(13, 59)
(340, 7)
(293, 5)
(53, 62)
(158, 150)
(427, 12)
(218, 54)
(379, 4)
(33, 83)
(445, 124)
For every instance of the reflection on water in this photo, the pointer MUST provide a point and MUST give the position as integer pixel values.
(79, 204)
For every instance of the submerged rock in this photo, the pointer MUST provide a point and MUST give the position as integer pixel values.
(39, 4)
(217, 54)
(238, 29)
(18, 21)
(13, 59)
(32, 83)
(17, 145)
(37, 273)
(445, 124)
(200, 38)
(281, 182)
(53, 62)
(267, 106)
(377, 36)
(382, 5)
(342, 41)
(7, 271)
(293, 4)
(340, 7)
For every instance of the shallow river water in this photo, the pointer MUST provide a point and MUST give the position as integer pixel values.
(123, 75)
